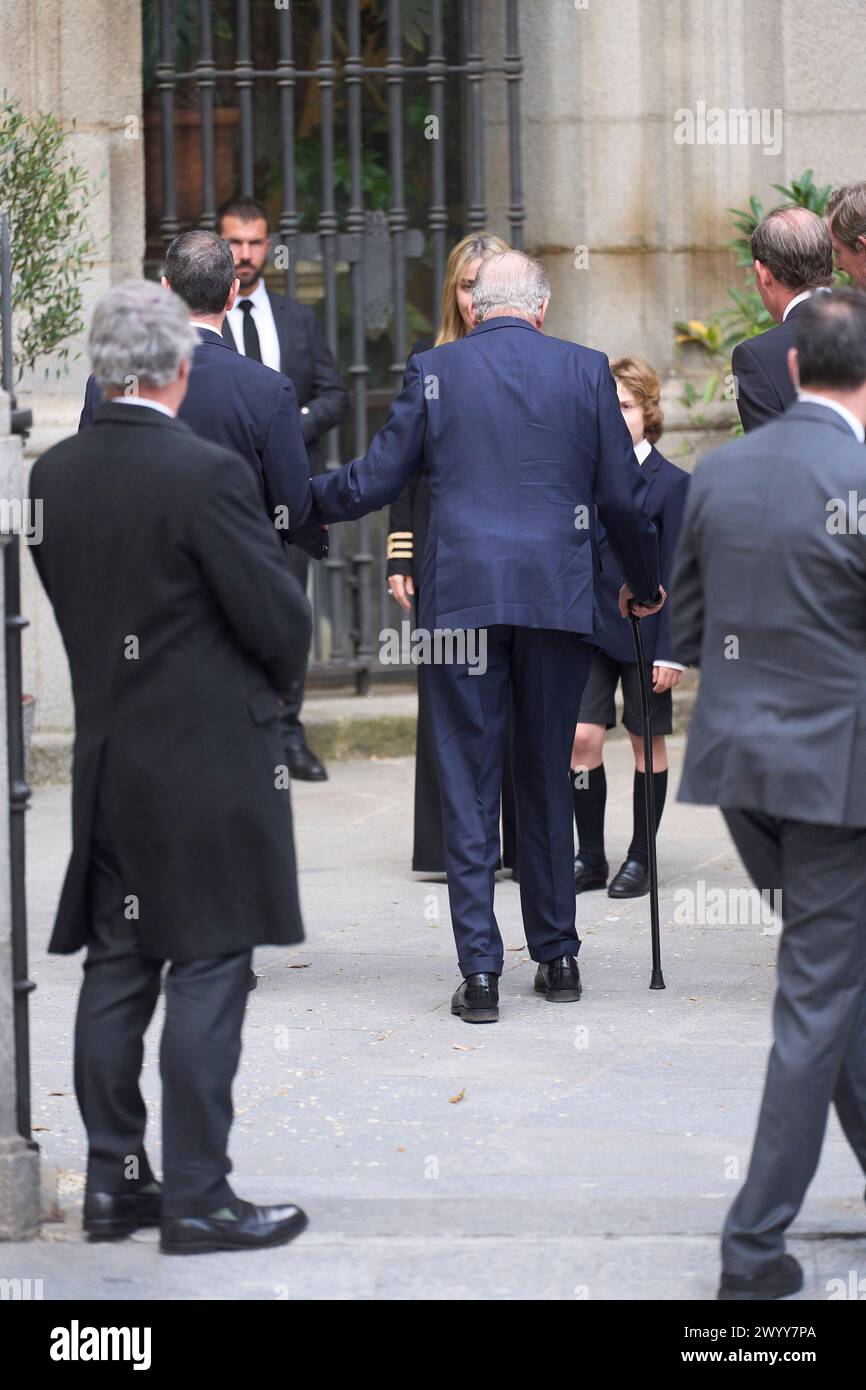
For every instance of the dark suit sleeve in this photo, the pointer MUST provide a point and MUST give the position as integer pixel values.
(620, 496)
(671, 525)
(687, 596)
(757, 398)
(329, 401)
(395, 452)
(287, 476)
(401, 535)
(91, 402)
(243, 563)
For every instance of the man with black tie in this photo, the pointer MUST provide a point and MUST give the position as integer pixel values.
(793, 257)
(521, 437)
(770, 601)
(183, 628)
(283, 333)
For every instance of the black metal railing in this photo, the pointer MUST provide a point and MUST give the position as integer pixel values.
(378, 245)
(19, 791)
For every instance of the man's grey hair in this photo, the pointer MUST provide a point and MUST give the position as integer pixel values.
(795, 246)
(140, 334)
(510, 280)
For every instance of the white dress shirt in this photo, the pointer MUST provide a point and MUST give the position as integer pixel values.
(141, 400)
(642, 452)
(263, 318)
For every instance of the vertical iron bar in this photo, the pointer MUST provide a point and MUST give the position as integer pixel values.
(244, 84)
(19, 795)
(396, 211)
(6, 307)
(165, 81)
(438, 218)
(206, 79)
(513, 72)
(328, 237)
(288, 228)
(476, 212)
(358, 371)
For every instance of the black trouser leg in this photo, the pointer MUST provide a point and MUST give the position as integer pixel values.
(299, 565)
(116, 1003)
(201, 1048)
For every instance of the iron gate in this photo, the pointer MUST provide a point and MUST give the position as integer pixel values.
(223, 92)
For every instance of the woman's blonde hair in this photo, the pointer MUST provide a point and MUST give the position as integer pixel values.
(477, 244)
(638, 377)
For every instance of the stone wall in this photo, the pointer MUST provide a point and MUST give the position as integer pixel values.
(81, 60)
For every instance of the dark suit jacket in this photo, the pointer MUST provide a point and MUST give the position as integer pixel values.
(181, 623)
(667, 489)
(760, 368)
(520, 436)
(308, 362)
(409, 516)
(252, 410)
(771, 604)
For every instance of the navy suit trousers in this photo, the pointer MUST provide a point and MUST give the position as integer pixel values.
(545, 671)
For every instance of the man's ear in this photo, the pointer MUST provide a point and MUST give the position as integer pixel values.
(233, 294)
(794, 367)
(164, 283)
(541, 313)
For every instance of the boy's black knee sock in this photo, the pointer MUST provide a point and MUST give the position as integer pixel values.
(639, 847)
(589, 794)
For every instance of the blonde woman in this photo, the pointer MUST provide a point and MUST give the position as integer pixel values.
(407, 534)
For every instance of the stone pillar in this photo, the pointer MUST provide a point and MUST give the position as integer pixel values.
(80, 60)
(19, 1163)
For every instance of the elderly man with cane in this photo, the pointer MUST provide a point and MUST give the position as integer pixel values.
(521, 437)
(770, 601)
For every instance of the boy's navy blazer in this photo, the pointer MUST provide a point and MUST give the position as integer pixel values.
(521, 436)
(667, 491)
(248, 408)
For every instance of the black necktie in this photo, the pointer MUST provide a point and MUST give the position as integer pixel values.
(252, 346)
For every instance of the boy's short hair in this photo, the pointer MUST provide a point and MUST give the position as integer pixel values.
(638, 376)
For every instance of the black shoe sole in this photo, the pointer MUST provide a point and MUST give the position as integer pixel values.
(476, 1015)
(770, 1291)
(307, 776)
(630, 893)
(590, 887)
(558, 996)
(213, 1245)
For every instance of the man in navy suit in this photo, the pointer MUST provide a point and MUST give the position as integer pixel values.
(234, 402)
(793, 257)
(521, 438)
(283, 333)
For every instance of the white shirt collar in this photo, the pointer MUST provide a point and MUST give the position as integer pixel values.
(798, 299)
(259, 295)
(142, 400)
(856, 425)
(643, 450)
(208, 327)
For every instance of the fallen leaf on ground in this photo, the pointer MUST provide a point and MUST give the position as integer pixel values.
(305, 966)
(464, 1047)
(455, 1100)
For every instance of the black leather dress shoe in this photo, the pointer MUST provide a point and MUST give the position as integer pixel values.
(240, 1226)
(303, 764)
(111, 1215)
(559, 980)
(779, 1280)
(252, 981)
(632, 881)
(587, 877)
(477, 999)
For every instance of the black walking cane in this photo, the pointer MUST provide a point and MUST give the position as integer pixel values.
(657, 981)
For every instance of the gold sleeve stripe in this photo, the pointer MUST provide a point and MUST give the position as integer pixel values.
(400, 545)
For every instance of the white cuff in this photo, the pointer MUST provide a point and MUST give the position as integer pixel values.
(671, 665)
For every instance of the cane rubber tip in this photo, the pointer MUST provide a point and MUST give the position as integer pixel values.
(658, 980)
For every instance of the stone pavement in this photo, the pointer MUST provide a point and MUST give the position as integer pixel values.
(580, 1151)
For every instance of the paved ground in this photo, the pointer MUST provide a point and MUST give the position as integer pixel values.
(577, 1151)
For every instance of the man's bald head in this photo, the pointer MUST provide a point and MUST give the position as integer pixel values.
(511, 284)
